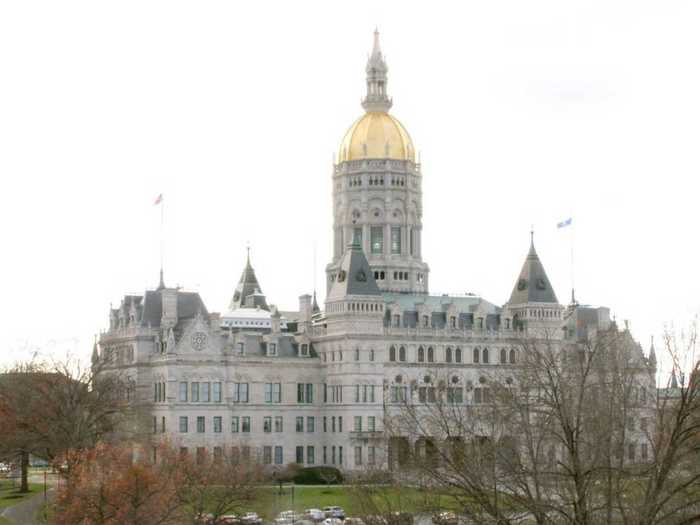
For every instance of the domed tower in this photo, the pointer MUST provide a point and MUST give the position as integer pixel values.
(377, 197)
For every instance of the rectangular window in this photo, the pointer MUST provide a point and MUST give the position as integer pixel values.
(340, 455)
(273, 392)
(240, 392)
(235, 455)
(310, 455)
(477, 396)
(217, 392)
(370, 456)
(310, 424)
(241, 348)
(200, 454)
(245, 424)
(370, 423)
(300, 392)
(377, 239)
(194, 387)
(155, 424)
(358, 423)
(183, 424)
(267, 455)
(162, 424)
(357, 393)
(278, 424)
(183, 391)
(332, 455)
(300, 424)
(278, 456)
(410, 241)
(325, 391)
(200, 424)
(267, 424)
(325, 425)
(205, 392)
(340, 423)
(332, 423)
(272, 347)
(325, 455)
(235, 424)
(454, 395)
(217, 424)
(358, 455)
(396, 239)
(309, 392)
(300, 455)
(357, 236)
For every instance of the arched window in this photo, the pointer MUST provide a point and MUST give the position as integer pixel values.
(458, 355)
(421, 354)
(431, 355)
(512, 356)
(476, 355)
(485, 355)
(448, 355)
(402, 353)
(504, 359)
(392, 353)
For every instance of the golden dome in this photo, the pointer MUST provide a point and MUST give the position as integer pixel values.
(376, 135)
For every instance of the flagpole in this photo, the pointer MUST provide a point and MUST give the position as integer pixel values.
(162, 208)
(573, 295)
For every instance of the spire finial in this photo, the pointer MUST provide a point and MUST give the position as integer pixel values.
(247, 249)
(161, 283)
(376, 98)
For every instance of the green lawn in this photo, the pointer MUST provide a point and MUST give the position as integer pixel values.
(9, 493)
(270, 502)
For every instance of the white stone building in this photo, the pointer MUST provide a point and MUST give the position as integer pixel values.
(314, 386)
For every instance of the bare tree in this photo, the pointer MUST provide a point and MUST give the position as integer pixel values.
(574, 432)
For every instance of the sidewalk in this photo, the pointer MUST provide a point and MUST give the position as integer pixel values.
(25, 513)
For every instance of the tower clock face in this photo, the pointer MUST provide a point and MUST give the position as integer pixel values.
(522, 284)
(199, 341)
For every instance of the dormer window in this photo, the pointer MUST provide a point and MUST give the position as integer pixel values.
(304, 349)
(397, 320)
(426, 321)
(272, 349)
(453, 322)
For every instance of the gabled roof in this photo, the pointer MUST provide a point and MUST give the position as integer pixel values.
(354, 276)
(533, 285)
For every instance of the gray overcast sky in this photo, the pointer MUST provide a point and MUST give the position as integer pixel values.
(524, 113)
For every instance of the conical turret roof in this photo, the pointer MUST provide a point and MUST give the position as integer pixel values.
(247, 286)
(354, 276)
(533, 285)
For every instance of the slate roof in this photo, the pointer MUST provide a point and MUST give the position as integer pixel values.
(354, 276)
(248, 285)
(188, 304)
(532, 285)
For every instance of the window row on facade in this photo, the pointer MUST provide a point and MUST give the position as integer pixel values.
(452, 355)
(270, 424)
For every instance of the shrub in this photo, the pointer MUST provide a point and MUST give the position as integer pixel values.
(318, 476)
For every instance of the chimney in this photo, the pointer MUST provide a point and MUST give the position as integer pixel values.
(305, 307)
(275, 320)
(169, 307)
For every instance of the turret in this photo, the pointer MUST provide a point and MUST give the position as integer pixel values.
(533, 303)
(354, 302)
(248, 293)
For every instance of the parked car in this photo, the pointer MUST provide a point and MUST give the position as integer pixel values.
(334, 512)
(229, 519)
(204, 518)
(251, 518)
(445, 518)
(314, 514)
(332, 521)
(287, 517)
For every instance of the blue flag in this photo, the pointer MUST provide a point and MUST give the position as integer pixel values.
(564, 224)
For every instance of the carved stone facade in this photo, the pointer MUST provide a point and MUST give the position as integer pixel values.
(315, 386)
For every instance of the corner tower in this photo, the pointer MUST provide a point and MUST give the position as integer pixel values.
(377, 195)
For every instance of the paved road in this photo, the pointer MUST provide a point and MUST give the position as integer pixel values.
(24, 513)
